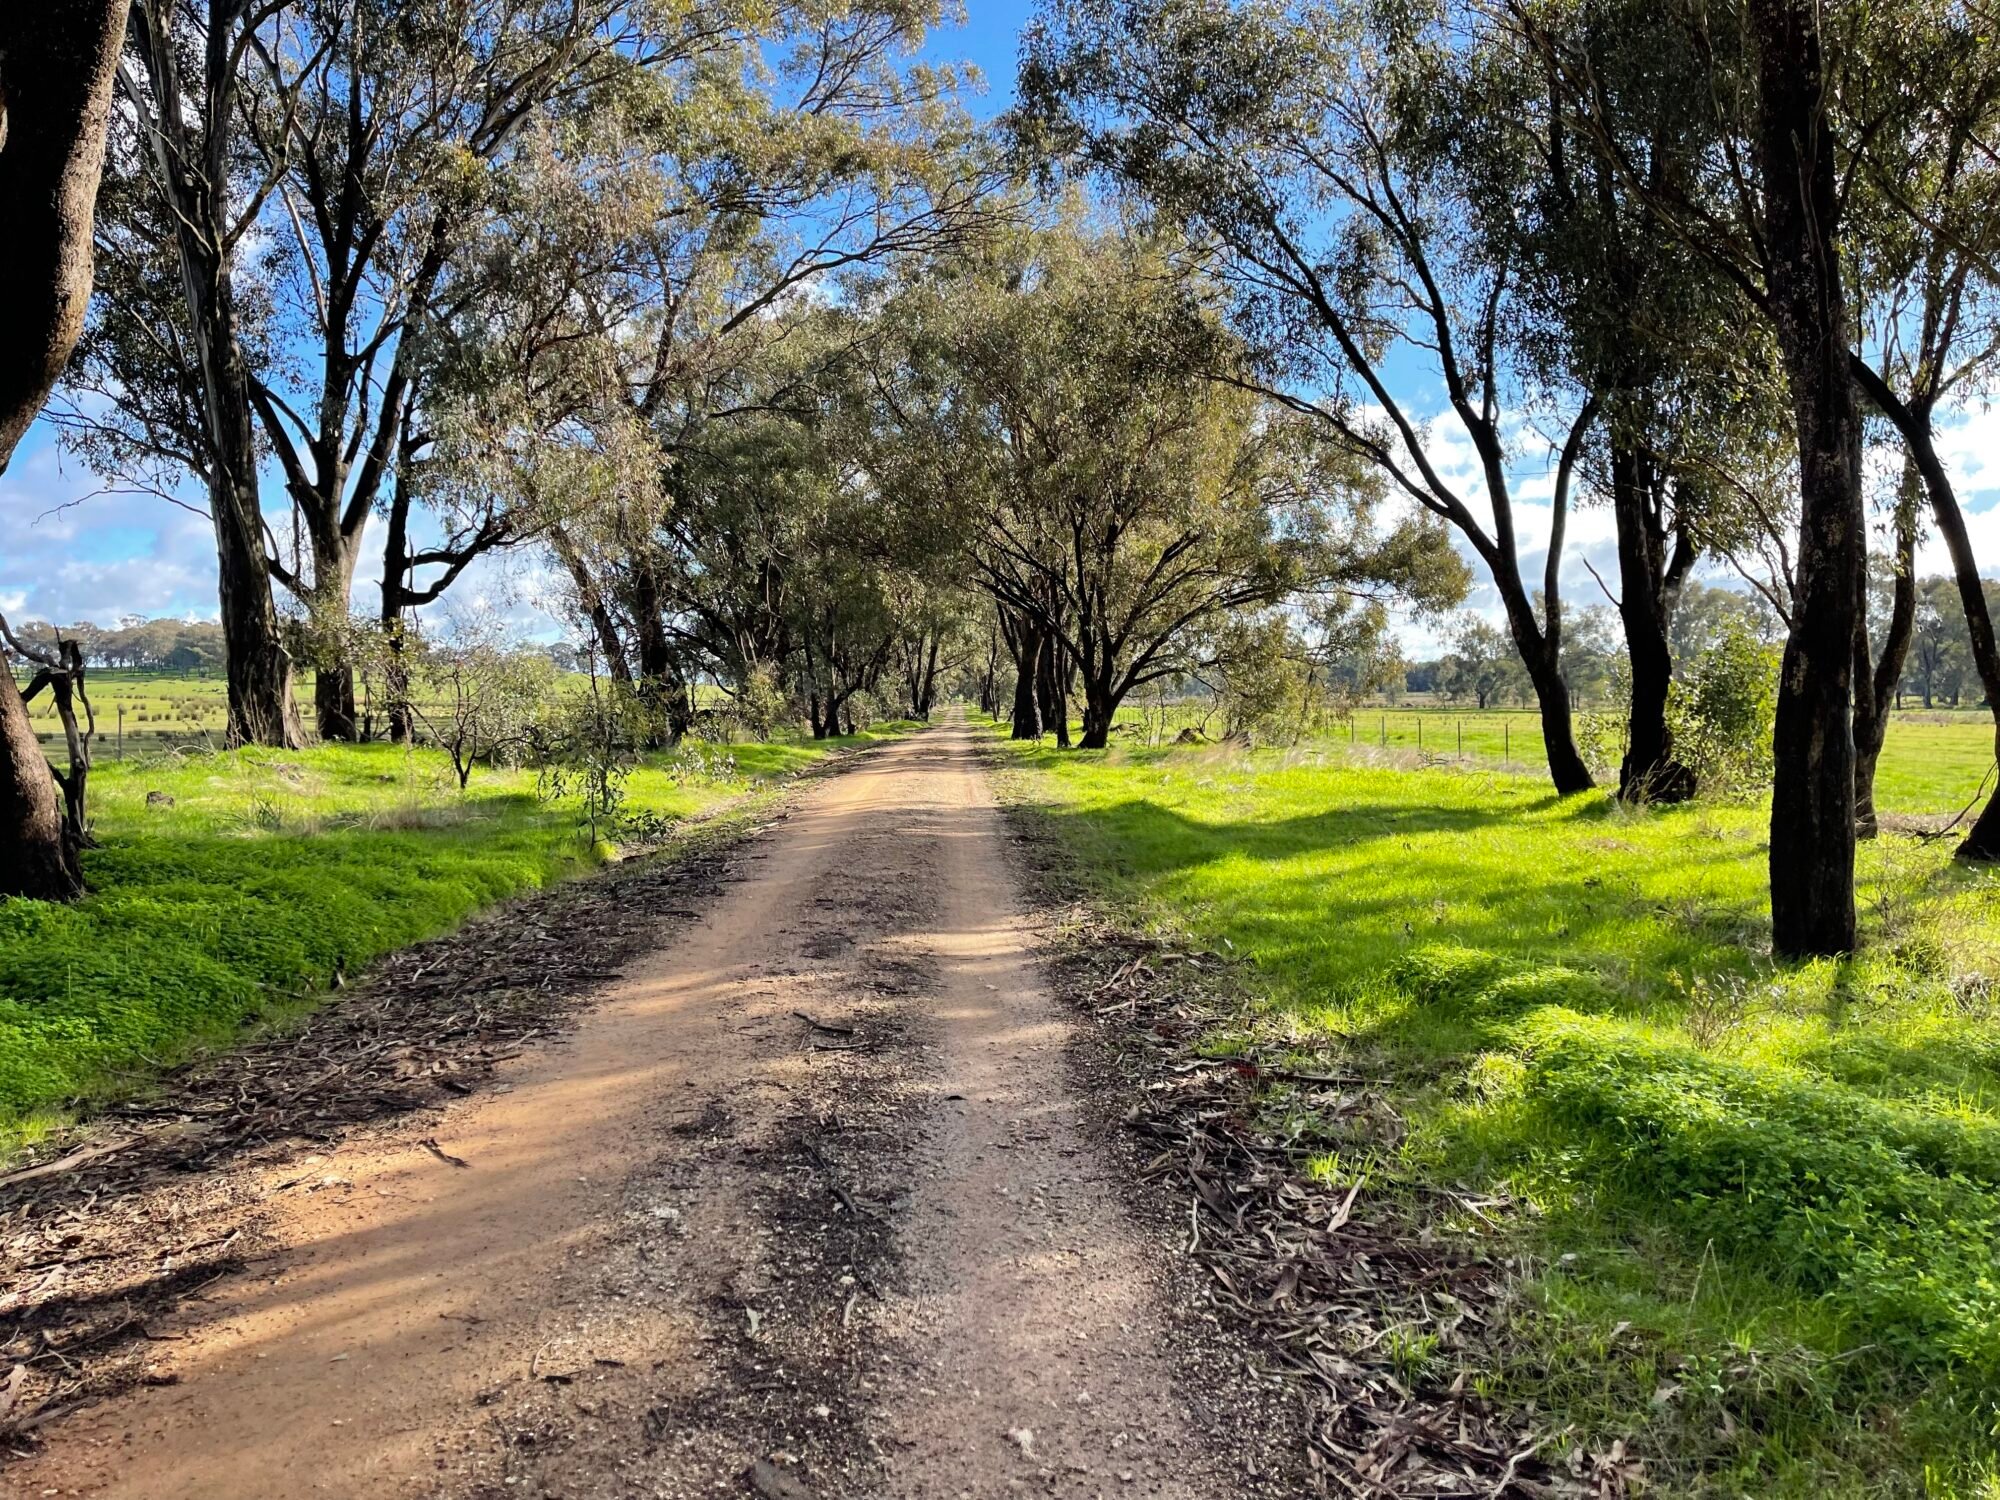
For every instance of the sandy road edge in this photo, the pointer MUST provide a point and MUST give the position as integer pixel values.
(1276, 1264)
(100, 1260)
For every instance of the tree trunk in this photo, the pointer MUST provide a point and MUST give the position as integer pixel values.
(1566, 767)
(1100, 708)
(261, 708)
(1024, 642)
(1049, 692)
(1875, 682)
(192, 173)
(333, 703)
(57, 66)
(36, 859)
(1812, 802)
(1648, 581)
(1982, 844)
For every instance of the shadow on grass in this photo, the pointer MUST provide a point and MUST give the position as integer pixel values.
(1325, 902)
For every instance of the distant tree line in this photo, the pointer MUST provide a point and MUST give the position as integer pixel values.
(194, 647)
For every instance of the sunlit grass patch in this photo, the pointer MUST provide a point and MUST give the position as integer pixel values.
(1757, 1206)
(226, 886)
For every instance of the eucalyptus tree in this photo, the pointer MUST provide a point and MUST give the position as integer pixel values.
(1925, 205)
(1606, 306)
(1765, 204)
(1077, 400)
(1850, 209)
(57, 64)
(298, 187)
(822, 151)
(1269, 132)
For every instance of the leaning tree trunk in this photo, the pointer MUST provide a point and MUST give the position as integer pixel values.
(1812, 801)
(1566, 767)
(56, 72)
(1541, 655)
(56, 75)
(1982, 844)
(36, 859)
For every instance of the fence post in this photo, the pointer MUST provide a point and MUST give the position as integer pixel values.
(1420, 732)
(121, 731)
(1461, 739)
(1385, 731)
(1506, 740)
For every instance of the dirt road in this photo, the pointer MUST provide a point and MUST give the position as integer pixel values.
(808, 1206)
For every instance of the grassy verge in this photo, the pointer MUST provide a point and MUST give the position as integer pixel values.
(1757, 1205)
(268, 875)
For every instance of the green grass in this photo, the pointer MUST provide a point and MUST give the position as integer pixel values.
(271, 871)
(1932, 761)
(1762, 1202)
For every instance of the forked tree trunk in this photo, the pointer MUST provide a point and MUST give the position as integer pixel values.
(1875, 681)
(1024, 644)
(1812, 802)
(1648, 580)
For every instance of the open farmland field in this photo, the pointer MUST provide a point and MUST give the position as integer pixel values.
(1932, 762)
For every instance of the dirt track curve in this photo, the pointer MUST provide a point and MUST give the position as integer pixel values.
(809, 1206)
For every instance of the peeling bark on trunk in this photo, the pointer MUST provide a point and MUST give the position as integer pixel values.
(1812, 802)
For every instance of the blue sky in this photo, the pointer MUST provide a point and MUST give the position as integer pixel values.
(75, 551)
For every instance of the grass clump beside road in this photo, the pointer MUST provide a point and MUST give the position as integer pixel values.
(270, 873)
(1761, 1204)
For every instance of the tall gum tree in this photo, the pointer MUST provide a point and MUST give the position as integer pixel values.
(1266, 132)
(1606, 303)
(295, 225)
(771, 183)
(58, 63)
(1764, 205)
(186, 197)
(1072, 398)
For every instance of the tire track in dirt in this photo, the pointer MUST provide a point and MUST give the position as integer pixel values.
(805, 1207)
